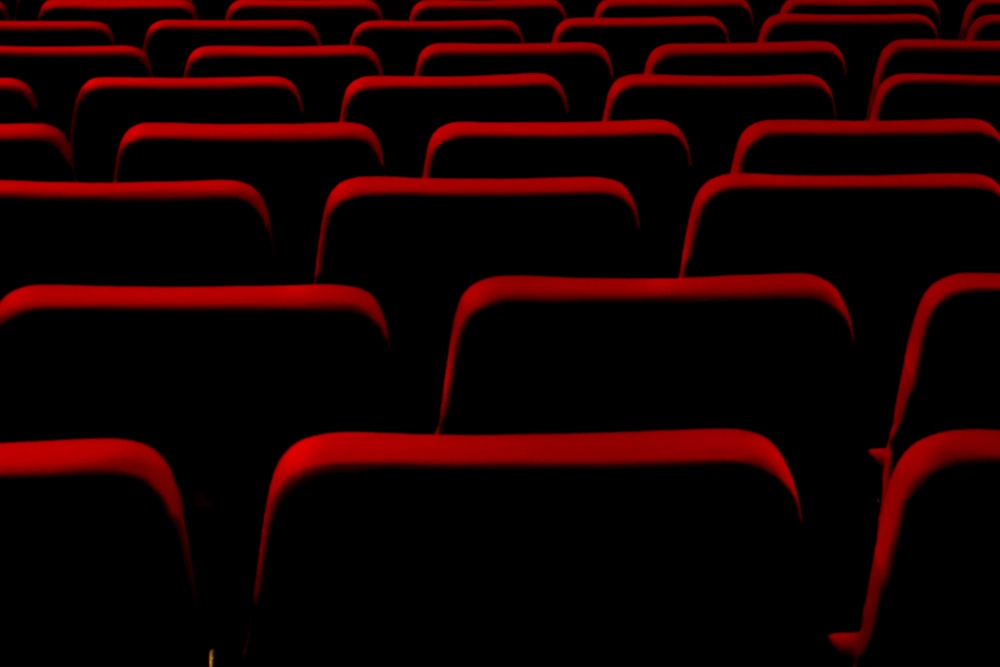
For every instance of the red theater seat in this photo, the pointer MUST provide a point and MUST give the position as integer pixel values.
(869, 147)
(860, 37)
(334, 20)
(96, 564)
(404, 111)
(629, 41)
(736, 15)
(169, 43)
(416, 244)
(128, 19)
(641, 547)
(399, 43)
(537, 19)
(320, 73)
(649, 157)
(910, 96)
(947, 381)
(934, 56)
(985, 28)
(107, 107)
(293, 166)
(713, 111)
(926, 8)
(933, 573)
(185, 233)
(583, 70)
(55, 33)
(17, 102)
(975, 10)
(882, 240)
(34, 152)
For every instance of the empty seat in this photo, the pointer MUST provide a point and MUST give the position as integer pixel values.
(948, 379)
(57, 73)
(55, 33)
(712, 111)
(399, 43)
(860, 37)
(932, 56)
(96, 564)
(416, 244)
(185, 233)
(107, 107)
(169, 43)
(294, 167)
(882, 240)
(334, 20)
(320, 73)
(128, 19)
(34, 152)
(404, 111)
(869, 147)
(736, 15)
(537, 19)
(819, 58)
(926, 8)
(629, 41)
(216, 379)
(583, 70)
(985, 28)
(634, 547)
(933, 573)
(649, 157)
(910, 96)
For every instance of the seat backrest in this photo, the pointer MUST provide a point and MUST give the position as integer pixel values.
(582, 69)
(933, 574)
(128, 19)
(963, 145)
(536, 19)
(736, 15)
(926, 8)
(34, 152)
(107, 107)
(96, 565)
(169, 43)
(293, 166)
(639, 547)
(320, 73)
(909, 96)
(882, 240)
(399, 43)
(55, 33)
(417, 244)
(629, 41)
(649, 157)
(334, 20)
(432, 101)
(713, 111)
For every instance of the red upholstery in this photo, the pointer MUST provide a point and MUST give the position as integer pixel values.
(736, 15)
(334, 20)
(128, 19)
(537, 19)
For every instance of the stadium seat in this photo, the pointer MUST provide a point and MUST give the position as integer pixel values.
(96, 567)
(649, 547)
(536, 19)
(334, 20)
(933, 571)
(629, 41)
(183, 233)
(649, 157)
(869, 147)
(416, 244)
(860, 37)
(320, 73)
(107, 107)
(128, 19)
(399, 43)
(432, 101)
(293, 166)
(736, 15)
(169, 43)
(712, 111)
